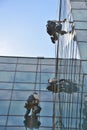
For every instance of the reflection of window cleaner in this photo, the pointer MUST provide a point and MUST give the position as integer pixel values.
(32, 122)
(62, 85)
(32, 104)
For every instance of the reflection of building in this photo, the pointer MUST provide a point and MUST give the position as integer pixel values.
(70, 103)
(32, 122)
(65, 110)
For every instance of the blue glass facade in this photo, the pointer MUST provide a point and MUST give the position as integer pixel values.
(62, 110)
(17, 82)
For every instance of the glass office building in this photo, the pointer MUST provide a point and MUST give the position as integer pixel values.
(62, 109)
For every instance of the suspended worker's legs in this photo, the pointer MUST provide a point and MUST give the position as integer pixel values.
(27, 112)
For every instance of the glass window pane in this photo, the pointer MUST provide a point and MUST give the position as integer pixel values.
(17, 108)
(15, 121)
(39, 68)
(80, 15)
(81, 35)
(4, 107)
(69, 62)
(27, 60)
(7, 66)
(43, 128)
(5, 94)
(30, 77)
(46, 96)
(46, 108)
(46, 68)
(25, 77)
(38, 86)
(80, 25)
(78, 5)
(2, 120)
(8, 59)
(23, 86)
(26, 67)
(34, 61)
(6, 76)
(21, 95)
(46, 121)
(84, 64)
(46, 76)
(41, 86)
(6, 85)
(48, 61)
(83, 49)
(2, 128)
(15, 128)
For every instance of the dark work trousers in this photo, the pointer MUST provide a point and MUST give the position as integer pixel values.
(27, 112)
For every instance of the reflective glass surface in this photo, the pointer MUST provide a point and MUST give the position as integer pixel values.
(78, 5)
(81, 25)
(3, 120)
(2, 128)
(7, 67)
(15, 128)
(4, 105)
(8, 59)
(15, 121)
(17, 108)
(81, 35)
(6, 85)
(64, 105)
(22, 67)
(17, 85)
(5, 94)
(83, 49)
(6, 76)
(21, 95)
(25, 77)
(80, 15)
(27, 60)
(84, 63)
(24, 86)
